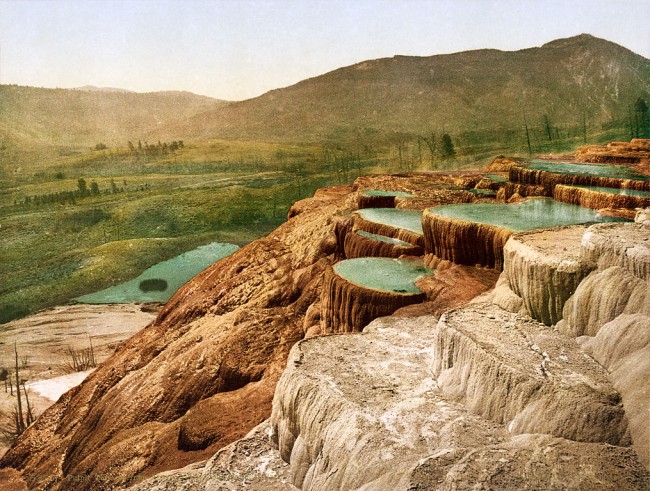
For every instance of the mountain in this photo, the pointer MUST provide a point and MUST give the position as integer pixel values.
(93, 88)
(473, 91)
(71, 117)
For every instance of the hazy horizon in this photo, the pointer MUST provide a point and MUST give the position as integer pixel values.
(236, 50)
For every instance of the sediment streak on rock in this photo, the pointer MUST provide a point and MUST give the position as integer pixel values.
(464, 242)
(402, 234)
(596, 199)
(348, 307)
(357, 245)
(549, 180)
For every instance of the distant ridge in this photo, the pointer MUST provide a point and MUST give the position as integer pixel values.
(472, 91)
(86, 116)
(478, 95)
(92, 88)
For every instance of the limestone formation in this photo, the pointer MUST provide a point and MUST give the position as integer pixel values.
(348, 307)
(544, 268)
(515, 371)
(522, 190)
(619, 244)
(549, 180)
(610, 315)
(377, 410)
(636, 150)
(596, 199)
(464, 242)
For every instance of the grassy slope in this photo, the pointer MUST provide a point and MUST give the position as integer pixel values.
(213, 191)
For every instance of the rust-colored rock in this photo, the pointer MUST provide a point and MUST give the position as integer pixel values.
(348, 307)
(199, 377)
(522, 190)
(464, 242)
(452, 286)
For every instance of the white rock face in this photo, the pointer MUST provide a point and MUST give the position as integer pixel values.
(401, 406)
(544, 268)
(610, 315)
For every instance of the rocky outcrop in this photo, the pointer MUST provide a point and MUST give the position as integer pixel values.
(513, 370)
(597, 200)
(544, 268)
(384, 409)
(436, 198)
(218, 347)
(361, 244)
(349, 307)
(619, 244)
(610, 315)
(502, 164)
(622, 346)
(249, 463)
(464, 242)
(549, 180)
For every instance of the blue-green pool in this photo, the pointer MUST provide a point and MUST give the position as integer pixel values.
(383, 238)
(615, 171)
(406, 219)
(529, 215)
(622, 192)
(385, 274)
(160, 282)
(380, 192)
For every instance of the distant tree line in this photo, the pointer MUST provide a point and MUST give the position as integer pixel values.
(83, 191)
(154, 150)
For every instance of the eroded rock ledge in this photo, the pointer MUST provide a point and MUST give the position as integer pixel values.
(544, 268)
(402, 406)
(464, 242)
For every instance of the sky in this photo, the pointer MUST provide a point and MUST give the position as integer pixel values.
(238, 49)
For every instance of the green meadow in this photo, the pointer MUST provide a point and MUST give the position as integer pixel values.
(137, 209)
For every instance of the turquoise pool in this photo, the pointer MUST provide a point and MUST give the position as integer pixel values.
(385, 274)
(615, 171)
(406, 219)
(529, 215)
(160, 282)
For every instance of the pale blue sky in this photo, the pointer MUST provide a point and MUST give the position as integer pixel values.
(236, 49)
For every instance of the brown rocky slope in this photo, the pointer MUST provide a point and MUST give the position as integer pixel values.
(199, 377)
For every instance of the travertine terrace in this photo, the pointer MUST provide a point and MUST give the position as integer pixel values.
(541, 383)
